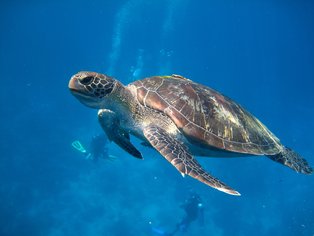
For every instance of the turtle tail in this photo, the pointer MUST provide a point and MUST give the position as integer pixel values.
(290, 158)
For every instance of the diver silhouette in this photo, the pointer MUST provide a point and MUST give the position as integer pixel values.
(194, 210)
(97, 148)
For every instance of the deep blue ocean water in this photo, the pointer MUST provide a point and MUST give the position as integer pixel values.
(260, 53)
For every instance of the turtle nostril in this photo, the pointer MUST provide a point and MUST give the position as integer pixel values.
(86, 80)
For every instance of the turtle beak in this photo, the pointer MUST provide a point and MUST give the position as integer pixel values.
(79, 91)
(76, 87)
(74, 84)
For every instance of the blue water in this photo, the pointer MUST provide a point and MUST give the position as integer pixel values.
(260, 53)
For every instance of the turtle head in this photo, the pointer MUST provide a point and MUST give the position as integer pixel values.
(92, 89)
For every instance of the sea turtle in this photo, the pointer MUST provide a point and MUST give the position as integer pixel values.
(180, 118)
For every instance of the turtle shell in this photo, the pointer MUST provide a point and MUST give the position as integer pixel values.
(206, 117)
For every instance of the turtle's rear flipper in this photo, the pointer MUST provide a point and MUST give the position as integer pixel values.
(178, 155)
(290, 158)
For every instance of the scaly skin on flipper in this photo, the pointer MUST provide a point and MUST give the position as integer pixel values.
(178, 155)
(290, 158)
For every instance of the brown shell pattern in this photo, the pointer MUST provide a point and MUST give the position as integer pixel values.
(205, 116)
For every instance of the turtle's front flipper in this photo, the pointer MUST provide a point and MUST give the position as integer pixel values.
(110, 124)
(178, 155)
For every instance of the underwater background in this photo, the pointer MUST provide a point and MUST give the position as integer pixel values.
(260, 53)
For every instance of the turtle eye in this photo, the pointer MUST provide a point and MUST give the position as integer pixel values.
(87, 80)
